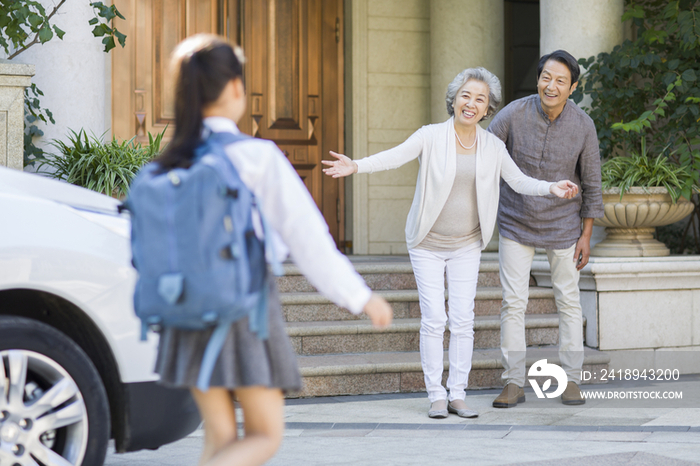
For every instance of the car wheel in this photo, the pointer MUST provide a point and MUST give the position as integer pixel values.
(53, 405)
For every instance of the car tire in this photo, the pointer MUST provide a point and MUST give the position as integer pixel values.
(62, 415)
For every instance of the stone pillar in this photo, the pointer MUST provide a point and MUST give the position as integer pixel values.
(584, 28)
(14, 77)
(463, 34)
(581, 27)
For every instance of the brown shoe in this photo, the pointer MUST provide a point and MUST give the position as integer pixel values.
(572, 395)
(509, 397)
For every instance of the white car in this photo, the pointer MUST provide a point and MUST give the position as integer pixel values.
(73, 372)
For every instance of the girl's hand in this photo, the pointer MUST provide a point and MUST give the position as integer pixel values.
(379, 311)
(344, 166)
(564, 189)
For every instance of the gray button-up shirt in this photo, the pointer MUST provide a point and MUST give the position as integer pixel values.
(563, 149)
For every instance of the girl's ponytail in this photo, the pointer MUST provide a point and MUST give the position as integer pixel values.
(204, 64)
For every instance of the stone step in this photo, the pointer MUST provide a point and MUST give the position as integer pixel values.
(310, 306)
(385, 273)
(359, 336)
(394, 372)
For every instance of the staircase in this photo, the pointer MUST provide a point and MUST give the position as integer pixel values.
(342, 354)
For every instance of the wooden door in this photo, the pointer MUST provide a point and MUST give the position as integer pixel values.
(293, 77)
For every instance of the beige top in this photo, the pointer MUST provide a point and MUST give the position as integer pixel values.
(457, 225)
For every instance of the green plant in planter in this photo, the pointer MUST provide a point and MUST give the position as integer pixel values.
(639, 169)
(107, 168)
(649, 86)
(25, 23)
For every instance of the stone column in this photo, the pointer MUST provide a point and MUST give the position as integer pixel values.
(463, 34)
(584, 28)
(581, 27)
(14, 77)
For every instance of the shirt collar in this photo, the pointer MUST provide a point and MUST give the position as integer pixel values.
(538, 104)
(220, 125)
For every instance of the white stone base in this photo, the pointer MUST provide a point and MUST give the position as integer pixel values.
(645, 308)
(630, 242)
(685, 360)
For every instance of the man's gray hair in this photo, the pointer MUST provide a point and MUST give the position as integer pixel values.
(479, 74)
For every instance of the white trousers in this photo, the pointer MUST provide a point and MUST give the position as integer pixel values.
(462, 268)
(515, 262)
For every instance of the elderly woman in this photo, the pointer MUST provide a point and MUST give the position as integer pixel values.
(451, 221)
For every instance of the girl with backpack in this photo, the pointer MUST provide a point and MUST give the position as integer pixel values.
(210, 98)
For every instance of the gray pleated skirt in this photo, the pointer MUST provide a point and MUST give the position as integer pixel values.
(244, 361)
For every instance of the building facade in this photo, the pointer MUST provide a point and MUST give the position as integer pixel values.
(356, 76)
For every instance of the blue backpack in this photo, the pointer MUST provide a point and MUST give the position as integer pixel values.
(194, 246)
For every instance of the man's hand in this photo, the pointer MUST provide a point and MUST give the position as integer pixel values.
(583, 245)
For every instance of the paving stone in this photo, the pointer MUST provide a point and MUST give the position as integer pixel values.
(336, 433)
(613, 436)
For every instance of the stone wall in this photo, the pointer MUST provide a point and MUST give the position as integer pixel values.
(73, 74)
(13, 79)
(390, 66)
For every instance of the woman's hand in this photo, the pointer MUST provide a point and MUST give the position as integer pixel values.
(379, 311)
(344, 166)
(564, 189)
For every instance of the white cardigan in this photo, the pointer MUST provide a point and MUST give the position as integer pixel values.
(434, 146)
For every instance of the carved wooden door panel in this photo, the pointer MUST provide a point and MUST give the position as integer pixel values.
(294, 85)
(293, 77)
(142, 86)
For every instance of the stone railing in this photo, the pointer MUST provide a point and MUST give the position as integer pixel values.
(14, 77)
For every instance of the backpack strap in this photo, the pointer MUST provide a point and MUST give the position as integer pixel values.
(215, 144)
(258, 324)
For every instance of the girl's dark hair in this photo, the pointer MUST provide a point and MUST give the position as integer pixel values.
(203, 64)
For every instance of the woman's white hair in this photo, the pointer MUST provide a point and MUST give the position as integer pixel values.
(479, 74)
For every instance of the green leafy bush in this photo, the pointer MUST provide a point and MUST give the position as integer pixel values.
(646, 93)
(89, 162)
(650, 83)
(639, 169)
(25, 23)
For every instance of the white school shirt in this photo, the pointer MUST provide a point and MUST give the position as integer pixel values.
(291, 211)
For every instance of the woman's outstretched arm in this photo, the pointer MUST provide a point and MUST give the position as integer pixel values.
(341, 167)
(389, 159)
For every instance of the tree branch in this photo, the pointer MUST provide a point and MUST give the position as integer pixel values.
(36, 36)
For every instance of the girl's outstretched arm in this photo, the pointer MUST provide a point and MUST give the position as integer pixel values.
(379, 311)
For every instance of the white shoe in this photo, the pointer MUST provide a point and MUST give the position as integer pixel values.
(438, 409)
(459, 407)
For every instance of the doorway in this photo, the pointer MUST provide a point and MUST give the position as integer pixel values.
(293, 75)
(522, 48)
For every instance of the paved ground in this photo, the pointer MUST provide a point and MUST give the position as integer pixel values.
(395, 430)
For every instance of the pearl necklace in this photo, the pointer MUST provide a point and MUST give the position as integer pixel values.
(463, 146)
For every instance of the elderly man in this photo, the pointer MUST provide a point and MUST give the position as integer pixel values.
(549, 138)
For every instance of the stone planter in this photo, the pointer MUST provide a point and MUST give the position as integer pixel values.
(630, 223)
(14, 77)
